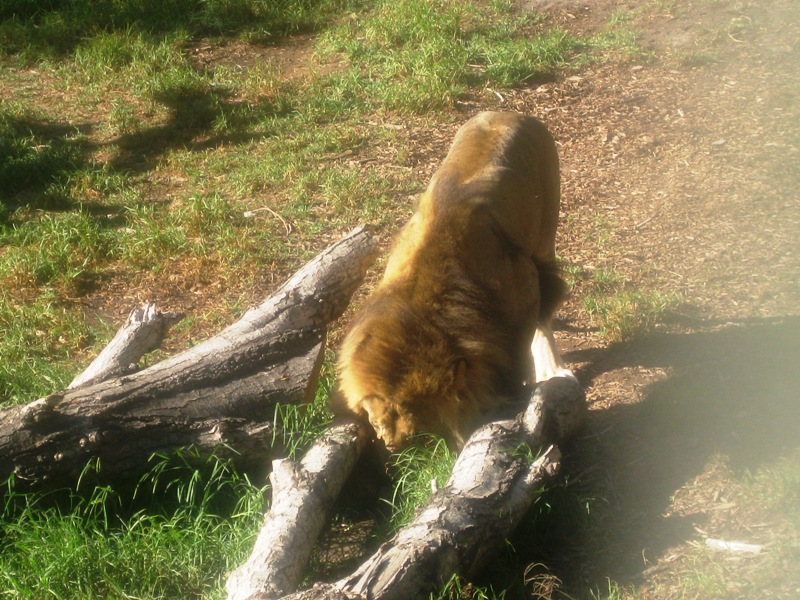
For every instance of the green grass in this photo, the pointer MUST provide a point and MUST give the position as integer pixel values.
(619, 309)
(54, 28)
(613, 591)
(457, 589)
(35, 158)
(187, 526)
(189, 522)
(297, 427)
(38, 346)
(624, 314)
(55, 251)
(415, 56)
(415, 470)
(128, 164)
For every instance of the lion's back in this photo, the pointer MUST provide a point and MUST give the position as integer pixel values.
(469, 266)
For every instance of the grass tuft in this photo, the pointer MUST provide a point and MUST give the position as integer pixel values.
(34, 157)
(619, 310)
(56, 251)
(457, 589)
(54, 28)
(297, 427)
(416, 469)
(37, 347)
(414, 56)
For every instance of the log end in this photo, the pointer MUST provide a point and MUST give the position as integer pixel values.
(561, 402)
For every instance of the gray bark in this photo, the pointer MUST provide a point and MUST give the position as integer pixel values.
(218, 396)
(143, 332)
(493, 484)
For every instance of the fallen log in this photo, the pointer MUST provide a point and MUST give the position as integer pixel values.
(218, 397)
(494, 482)
(457, 533)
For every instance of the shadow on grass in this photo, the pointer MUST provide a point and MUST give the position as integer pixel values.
(35, 156)
(38, 157)
(54, 28)
(201, 117)
(733, 391)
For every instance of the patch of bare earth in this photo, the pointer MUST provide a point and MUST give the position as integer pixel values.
(680, 171)
(292, 57)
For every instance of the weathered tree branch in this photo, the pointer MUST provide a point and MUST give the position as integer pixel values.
(218, 396)
(302, 496)
(143, 332)
(492, 485)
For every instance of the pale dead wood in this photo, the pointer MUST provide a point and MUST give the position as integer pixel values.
(302, 497)
(460, 529)
(492, 486)
(143, 332)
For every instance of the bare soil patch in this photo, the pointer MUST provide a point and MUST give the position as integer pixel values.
(680, 171)
(292, 57)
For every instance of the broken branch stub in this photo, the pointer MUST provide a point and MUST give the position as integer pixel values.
(143, 331)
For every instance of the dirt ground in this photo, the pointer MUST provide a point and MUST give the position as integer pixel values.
(680, 170)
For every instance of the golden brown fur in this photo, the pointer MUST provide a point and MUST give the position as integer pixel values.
(446, 335)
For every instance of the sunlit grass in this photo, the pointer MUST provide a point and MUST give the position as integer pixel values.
(38, 345)
(421, 56)
(297, 427)
(620, 309)
(426, 464)
(189, 523)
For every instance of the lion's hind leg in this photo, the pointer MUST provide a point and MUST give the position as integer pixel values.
(547, 362)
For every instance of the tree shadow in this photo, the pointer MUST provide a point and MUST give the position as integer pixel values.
(35, 155)
(56, 28)
(202, 116)
(733, 391)
(38, 157)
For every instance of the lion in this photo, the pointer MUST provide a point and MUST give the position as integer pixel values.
(469, 290)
